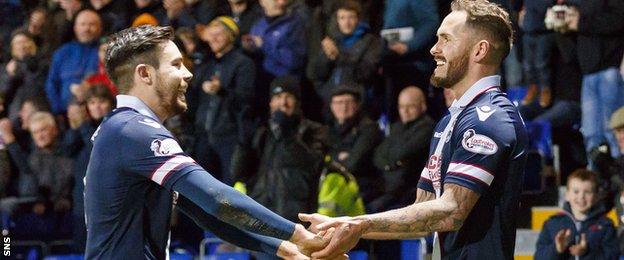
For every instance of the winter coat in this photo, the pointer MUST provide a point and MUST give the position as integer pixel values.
(400, 158)
(282, 171)
(601, 236)
(284, 44)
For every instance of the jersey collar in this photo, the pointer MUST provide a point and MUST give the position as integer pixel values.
(483, 85)
(136, 104)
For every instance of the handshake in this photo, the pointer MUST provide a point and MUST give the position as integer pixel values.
(326, 238)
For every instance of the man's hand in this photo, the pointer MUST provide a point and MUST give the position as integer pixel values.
(398, 47)
(562, 240)
(329, 48)
(6, 131)
(580, 248)
(11, 67)
(346, 235)
(212, 86)
(307, 242)
(289, 251)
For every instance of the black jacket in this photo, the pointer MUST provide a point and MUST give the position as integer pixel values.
(601, 34)
(354, 64)
(401, 157)
(28, 81)
(282, 172)
(358, 138)
(229, 112)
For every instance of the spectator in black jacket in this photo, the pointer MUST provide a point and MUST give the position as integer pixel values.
(352, 139)
(23, 76)
(245, 13)
(283, 166)
(403, 154)
(599, 25)
(220, 99)
(349, 53)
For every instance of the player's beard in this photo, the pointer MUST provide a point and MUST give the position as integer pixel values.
(172, 95)
(457, 69)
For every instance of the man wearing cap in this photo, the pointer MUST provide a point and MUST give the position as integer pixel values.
(220, 99)
(282, 166)
(353, 138)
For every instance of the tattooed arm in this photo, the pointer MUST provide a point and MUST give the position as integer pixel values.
(446, 213)
(421, 196)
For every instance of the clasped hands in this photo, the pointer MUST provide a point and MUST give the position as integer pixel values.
(334, 237)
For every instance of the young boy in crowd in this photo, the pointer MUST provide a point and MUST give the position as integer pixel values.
(581, 230)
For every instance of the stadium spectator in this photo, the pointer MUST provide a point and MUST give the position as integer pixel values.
(349, 54)
(74, 60)
(600, 40)
(221, 99)
(63, 21)
(282, 167)
(404, 152)
(23, 76)
(245, 13)
(114, 14)
(537, 44)
(278, 41)
(188, 13)
(77, 146)
(99, 77)
(581, 231)
(352, 139)
(406, 60)
(38, 25)
(148, 12)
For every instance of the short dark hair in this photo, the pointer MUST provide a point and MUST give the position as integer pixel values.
(491, 20)
(131, 47)
(583, 175)
(100, 91)
(351, 5)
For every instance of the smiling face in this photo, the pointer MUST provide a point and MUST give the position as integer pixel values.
(581, 195)
(451, 51)
(172, 79)
(218, 38)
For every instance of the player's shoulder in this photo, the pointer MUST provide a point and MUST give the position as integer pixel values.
(492, 112)
(130, 124)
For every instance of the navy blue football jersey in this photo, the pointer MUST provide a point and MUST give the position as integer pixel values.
(128, 196)
(486, 153)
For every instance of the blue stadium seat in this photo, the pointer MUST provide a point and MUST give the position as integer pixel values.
(180, 256)
(232, 256)
(358, 255)
(410, 249)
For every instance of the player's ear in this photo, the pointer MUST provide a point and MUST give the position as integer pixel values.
(143, 73)
(481, 50)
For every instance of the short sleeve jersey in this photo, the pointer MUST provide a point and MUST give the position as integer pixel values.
(486, 153)
(128, 198)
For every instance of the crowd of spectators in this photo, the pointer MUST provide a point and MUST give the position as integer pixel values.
(284, 90)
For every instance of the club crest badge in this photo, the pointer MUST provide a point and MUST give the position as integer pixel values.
(166, 147)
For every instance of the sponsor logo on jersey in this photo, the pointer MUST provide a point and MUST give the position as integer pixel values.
(166, 147)
(477, 143)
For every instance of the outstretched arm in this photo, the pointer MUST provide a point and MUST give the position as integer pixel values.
(446, 213)
(236, 236)
(233, 207)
